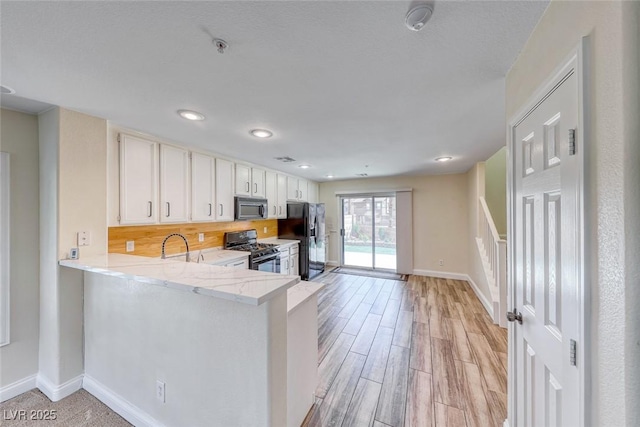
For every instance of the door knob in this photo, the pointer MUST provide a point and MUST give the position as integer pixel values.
(514, 316)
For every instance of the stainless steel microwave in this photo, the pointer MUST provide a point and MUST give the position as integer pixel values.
(250, 208)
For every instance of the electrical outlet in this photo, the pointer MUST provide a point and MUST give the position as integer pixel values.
(265, 230)
(160, 391)
(200, 237)
(84, 238)
(441, 262)
(130, 246)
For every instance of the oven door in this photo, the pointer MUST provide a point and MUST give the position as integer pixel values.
(268, 263)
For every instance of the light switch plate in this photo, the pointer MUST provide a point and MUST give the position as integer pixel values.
(265, 230)
(200, 237)
(130, 246)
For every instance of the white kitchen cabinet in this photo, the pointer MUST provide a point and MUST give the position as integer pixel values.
(313, 192)
(258, 177)
(203, 187)
(282, 195)
(297, 189)
(294, 269)
(138, 180)
(242, 264)
(271, 190)
(303, 190)
(243, 180)
(284, 260)
(224, 190)
(174, 184)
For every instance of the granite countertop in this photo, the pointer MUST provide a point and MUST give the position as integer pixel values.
(300, 293)
(220, 256)
(245, 286)
(279, 242)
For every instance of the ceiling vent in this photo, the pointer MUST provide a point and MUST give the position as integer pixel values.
(285, 159)
(362, 174)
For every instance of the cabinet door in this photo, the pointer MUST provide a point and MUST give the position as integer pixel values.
(257, 183)
(293, 265)
(243, 180)
(242, 264)
(292, 188)
(224, 190)
(271, 186)
(203, 181)
(138, 181)
(303, 191)
(284, 261)
(282, 196)
(174, 184)
(313, 192)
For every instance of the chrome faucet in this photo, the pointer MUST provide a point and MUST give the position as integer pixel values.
(178, 235)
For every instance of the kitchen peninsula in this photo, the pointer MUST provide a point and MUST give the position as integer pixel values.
(177, 343)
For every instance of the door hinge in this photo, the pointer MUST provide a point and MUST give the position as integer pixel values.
(573, 351)
(572, 142)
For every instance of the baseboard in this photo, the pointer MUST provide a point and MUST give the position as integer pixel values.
(17, 388)
(441, 274)
(482, 297)
(332, 263)
(459, 276)
(58, 392)
(122, 406)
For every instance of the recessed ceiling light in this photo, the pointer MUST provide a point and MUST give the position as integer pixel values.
(443, 159)
(261, 133)
(304, 166)
(190, 115)
(6, 90)
(329, 176)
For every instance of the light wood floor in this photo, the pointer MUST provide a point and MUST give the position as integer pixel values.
(416, 353)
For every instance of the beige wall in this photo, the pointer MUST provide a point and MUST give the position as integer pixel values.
(495, 189)
(439, 217)
(613, 200)
(475, 190)
(19, 137)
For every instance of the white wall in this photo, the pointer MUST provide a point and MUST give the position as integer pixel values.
(73, 198)
(613, 177)
(19, 137)
(495, 189)
(224, 364)
(440, 212)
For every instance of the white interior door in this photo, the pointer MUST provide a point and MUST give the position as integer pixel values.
(546, 217)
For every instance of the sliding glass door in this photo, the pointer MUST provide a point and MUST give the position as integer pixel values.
(369, 231)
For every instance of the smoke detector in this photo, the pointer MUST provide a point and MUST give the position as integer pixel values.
(418, 16)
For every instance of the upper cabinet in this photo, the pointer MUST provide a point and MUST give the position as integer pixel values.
(297, 189)
(243, 180)
(174, 184)
(258, 183)
(203, 187)
(138, 180)
(224, 190)
(250, 181)
(282, 195)
(271, 190)
(313, 192)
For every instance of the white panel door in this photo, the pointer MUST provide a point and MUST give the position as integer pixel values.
(203, 181)
(138, 181)
(271, 186)
(282, 196)
(224, 190)
(174, 184)
(243, 180)
(257, 182)
(546, 274)
(303, 190)
(292, 188)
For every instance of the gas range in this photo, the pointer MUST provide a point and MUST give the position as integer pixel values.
(264, 256)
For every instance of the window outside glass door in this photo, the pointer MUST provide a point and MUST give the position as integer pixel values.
(369, 232)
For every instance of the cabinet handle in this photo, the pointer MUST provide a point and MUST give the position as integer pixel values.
(150, 204)
(256, 188)
(221, 209)
(248, 187)
(300, 194)
(296, 194)
(274, 209)
(210, 209)
(168, 209)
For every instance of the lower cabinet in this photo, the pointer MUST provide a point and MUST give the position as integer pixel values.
(284, 261)
(289, 260)
(242, 264)
(294, 270)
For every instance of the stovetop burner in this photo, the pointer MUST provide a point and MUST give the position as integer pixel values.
(247, 241)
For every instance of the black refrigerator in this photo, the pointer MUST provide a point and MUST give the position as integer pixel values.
(305, 223)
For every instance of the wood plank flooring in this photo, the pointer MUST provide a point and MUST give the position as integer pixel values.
(416, 353)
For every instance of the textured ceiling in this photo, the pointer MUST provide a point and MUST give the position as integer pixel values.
(342, 84)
